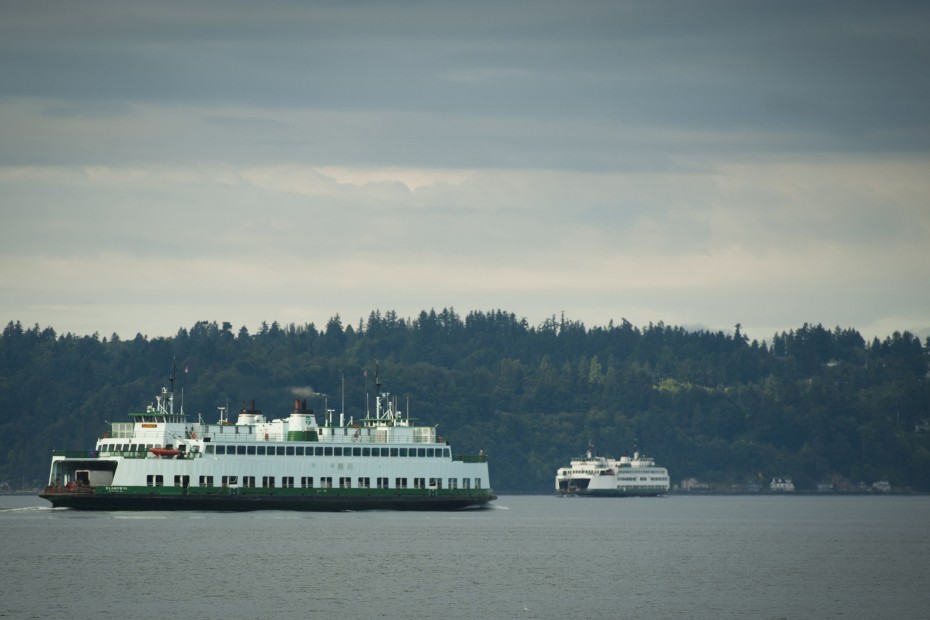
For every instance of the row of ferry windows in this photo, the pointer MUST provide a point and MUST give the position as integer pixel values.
(327, 451)
(324, 482)
(642, 478)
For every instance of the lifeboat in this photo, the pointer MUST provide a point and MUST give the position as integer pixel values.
(164, 452)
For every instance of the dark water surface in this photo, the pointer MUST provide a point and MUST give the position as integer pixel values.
(528, 557)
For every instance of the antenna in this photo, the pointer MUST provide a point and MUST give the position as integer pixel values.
(174, 368)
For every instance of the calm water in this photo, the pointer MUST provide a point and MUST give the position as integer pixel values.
(529, 557)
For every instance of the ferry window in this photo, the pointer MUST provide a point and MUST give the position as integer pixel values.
(345, 483)
(159, 481)
(453, 483)
(306, 482)
(248, 481)
(209, 448)
(318, 451)
(446, 452)
(412, 452)
(300, 450)
(337, 451)
(418, 483)
(430, 452)
(356, 452)
(240, 449)
(250, 450)
(382, 483)
(364, 483)
(133, 447)
(477, 483)
(261, 450)
(328, 451)
(280, 450)
(287, 482)
(366, 451)
(403, 451)
(268, 482)
(289, 450)
(393, 452)
(400, 483)
(466, 483)
(421, 452)
(221, 449)
(149, 480)
(326, 482)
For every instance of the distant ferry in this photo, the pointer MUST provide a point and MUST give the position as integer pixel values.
(781, 485)
(162, 461)
(601, 476)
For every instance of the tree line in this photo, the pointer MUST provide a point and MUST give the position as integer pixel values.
(814, 404)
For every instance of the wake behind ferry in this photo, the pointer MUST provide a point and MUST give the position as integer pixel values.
(601, 476)
(162, 461)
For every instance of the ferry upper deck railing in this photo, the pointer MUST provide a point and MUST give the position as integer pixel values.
(470, 458)
(76, 454)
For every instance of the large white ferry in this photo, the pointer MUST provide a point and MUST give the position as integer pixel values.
(162, 461)
(606, 477)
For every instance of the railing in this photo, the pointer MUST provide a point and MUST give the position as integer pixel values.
(470, 458)
(126, 454)
(76, 454)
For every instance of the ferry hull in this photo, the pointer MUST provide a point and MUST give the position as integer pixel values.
(236, 502)
(612, 493)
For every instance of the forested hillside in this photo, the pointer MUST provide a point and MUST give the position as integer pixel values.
(813, 404)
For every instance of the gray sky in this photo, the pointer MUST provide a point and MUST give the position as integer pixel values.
(700, 163)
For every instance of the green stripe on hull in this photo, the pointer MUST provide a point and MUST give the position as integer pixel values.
(237, 499)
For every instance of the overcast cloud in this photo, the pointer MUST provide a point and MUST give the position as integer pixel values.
(700, 163)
